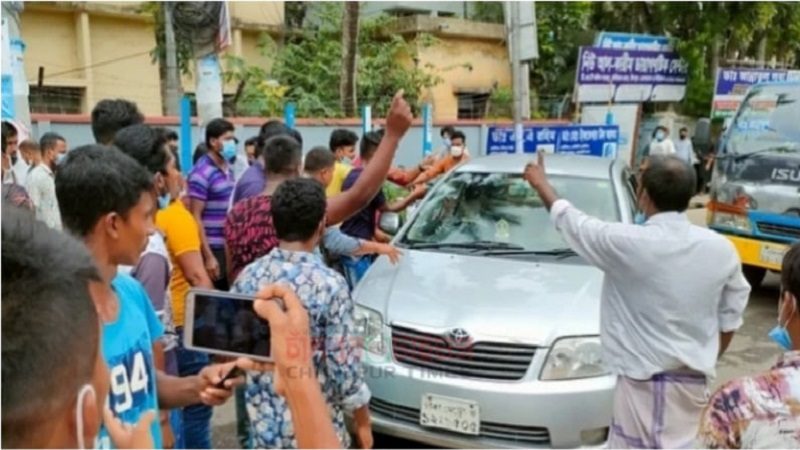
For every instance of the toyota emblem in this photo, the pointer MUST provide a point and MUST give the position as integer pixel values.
(458, 338)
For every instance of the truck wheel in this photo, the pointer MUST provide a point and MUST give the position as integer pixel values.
(754, 275)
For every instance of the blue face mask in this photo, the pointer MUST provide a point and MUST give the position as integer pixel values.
(347, 161)
(660, 136)
(780, 336)
(229, 150)
(639, 218)
(164, 200)
(446, 142)
(60, 158)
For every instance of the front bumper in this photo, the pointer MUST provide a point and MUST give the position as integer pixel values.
(527, 413)
(751, 251)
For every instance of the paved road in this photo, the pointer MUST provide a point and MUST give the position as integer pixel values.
(751, 351)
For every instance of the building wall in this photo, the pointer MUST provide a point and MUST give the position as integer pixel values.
(51, 41)
(464, 65)
(134, 75)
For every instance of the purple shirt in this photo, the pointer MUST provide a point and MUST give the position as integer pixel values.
(251, 184)
(208, 183)
(362, 224)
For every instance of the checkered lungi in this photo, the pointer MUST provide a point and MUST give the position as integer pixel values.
(662, 412)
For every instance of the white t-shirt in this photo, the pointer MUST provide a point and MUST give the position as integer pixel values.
(665, 147)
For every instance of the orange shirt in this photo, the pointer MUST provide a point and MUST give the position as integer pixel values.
(443, 165)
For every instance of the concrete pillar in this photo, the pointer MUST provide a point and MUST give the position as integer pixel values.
(85, 58)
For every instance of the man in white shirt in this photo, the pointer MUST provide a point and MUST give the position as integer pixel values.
(662, 326)
(661, 143)
(684, 149)
(41, 181)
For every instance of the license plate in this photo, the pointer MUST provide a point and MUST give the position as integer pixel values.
(453, 414)
(772, 255)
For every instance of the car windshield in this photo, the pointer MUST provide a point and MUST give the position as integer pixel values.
(757, 124)
(503, 210)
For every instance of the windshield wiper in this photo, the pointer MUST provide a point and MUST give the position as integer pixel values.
(738, 157)
(559, 253)
(477, 245)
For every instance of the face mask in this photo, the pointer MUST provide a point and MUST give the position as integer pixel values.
(456, 151)
(60, 158)
(229, 150)
(347, 161)
(660, 136)
(639, 218)
(164, 200)
(85, 390)
(780, 335)
(446, 142)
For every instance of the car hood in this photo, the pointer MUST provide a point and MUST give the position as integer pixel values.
(508, 298)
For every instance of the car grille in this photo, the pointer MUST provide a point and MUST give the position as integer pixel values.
(514, 433)
(786, 231)
(486, 360)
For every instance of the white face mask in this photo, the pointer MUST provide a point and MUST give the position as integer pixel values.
(85, 390)
(456, 151)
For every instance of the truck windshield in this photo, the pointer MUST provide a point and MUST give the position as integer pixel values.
(754, 128)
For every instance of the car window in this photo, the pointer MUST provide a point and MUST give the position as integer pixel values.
(471, 207)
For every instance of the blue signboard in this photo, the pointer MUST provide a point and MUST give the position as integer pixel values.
(427, 128)
(289, 115)
(8, 97)
(592, 140)
(631, 41)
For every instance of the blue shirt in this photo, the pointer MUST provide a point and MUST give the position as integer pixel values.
(128, 351)
(362, 224)
(251, 184)
(336, 355)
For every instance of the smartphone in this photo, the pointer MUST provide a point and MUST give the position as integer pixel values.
(222, 323)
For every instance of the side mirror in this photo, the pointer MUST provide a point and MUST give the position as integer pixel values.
(390, 223)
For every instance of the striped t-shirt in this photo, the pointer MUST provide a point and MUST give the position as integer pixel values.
(209, 184)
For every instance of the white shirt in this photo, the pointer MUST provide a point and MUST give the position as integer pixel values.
(685, 151)
(42, 191)
(670, 288)
(665, 147)
(21, 172)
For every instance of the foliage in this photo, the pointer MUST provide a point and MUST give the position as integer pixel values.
(159, 53)
(501, 103)
(308, 67)
(491, 12)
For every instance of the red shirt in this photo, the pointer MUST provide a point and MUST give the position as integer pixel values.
(249, 232)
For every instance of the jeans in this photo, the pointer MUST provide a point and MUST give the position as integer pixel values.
(196, 418)
(242, 419)
(355, 267)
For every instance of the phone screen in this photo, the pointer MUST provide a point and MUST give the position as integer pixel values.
(226, 324)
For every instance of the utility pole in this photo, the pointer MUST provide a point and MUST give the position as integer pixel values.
(172, 91)
(520, 72)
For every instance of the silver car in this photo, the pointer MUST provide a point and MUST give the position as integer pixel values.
(486, 332)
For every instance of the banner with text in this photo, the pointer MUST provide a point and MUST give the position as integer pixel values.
(732, 85)
(618, 75)
(592, 140)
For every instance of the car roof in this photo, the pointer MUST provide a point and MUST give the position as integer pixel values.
(555, 164)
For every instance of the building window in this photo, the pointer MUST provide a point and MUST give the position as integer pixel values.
(472, 105)
(56, 100)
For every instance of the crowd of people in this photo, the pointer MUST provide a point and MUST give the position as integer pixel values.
(109, 238)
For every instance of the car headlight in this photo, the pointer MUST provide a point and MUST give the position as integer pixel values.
(369, 327)
(729, 220)
(577, 357)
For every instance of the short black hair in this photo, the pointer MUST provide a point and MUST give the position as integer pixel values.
(271, 129)
(790, 272)
(199, 151)
(49, 141)
(458, 134)
(670, 183)
(171, 135)
(50, 326)
(370, 143)
(96, 180)
(110, 116)
(251, 141)
(342, 138)
(7, 131)
(146, 145)
(217, 128)
(298, 207)
(317, 159)
(282, 155)
(449, 130)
